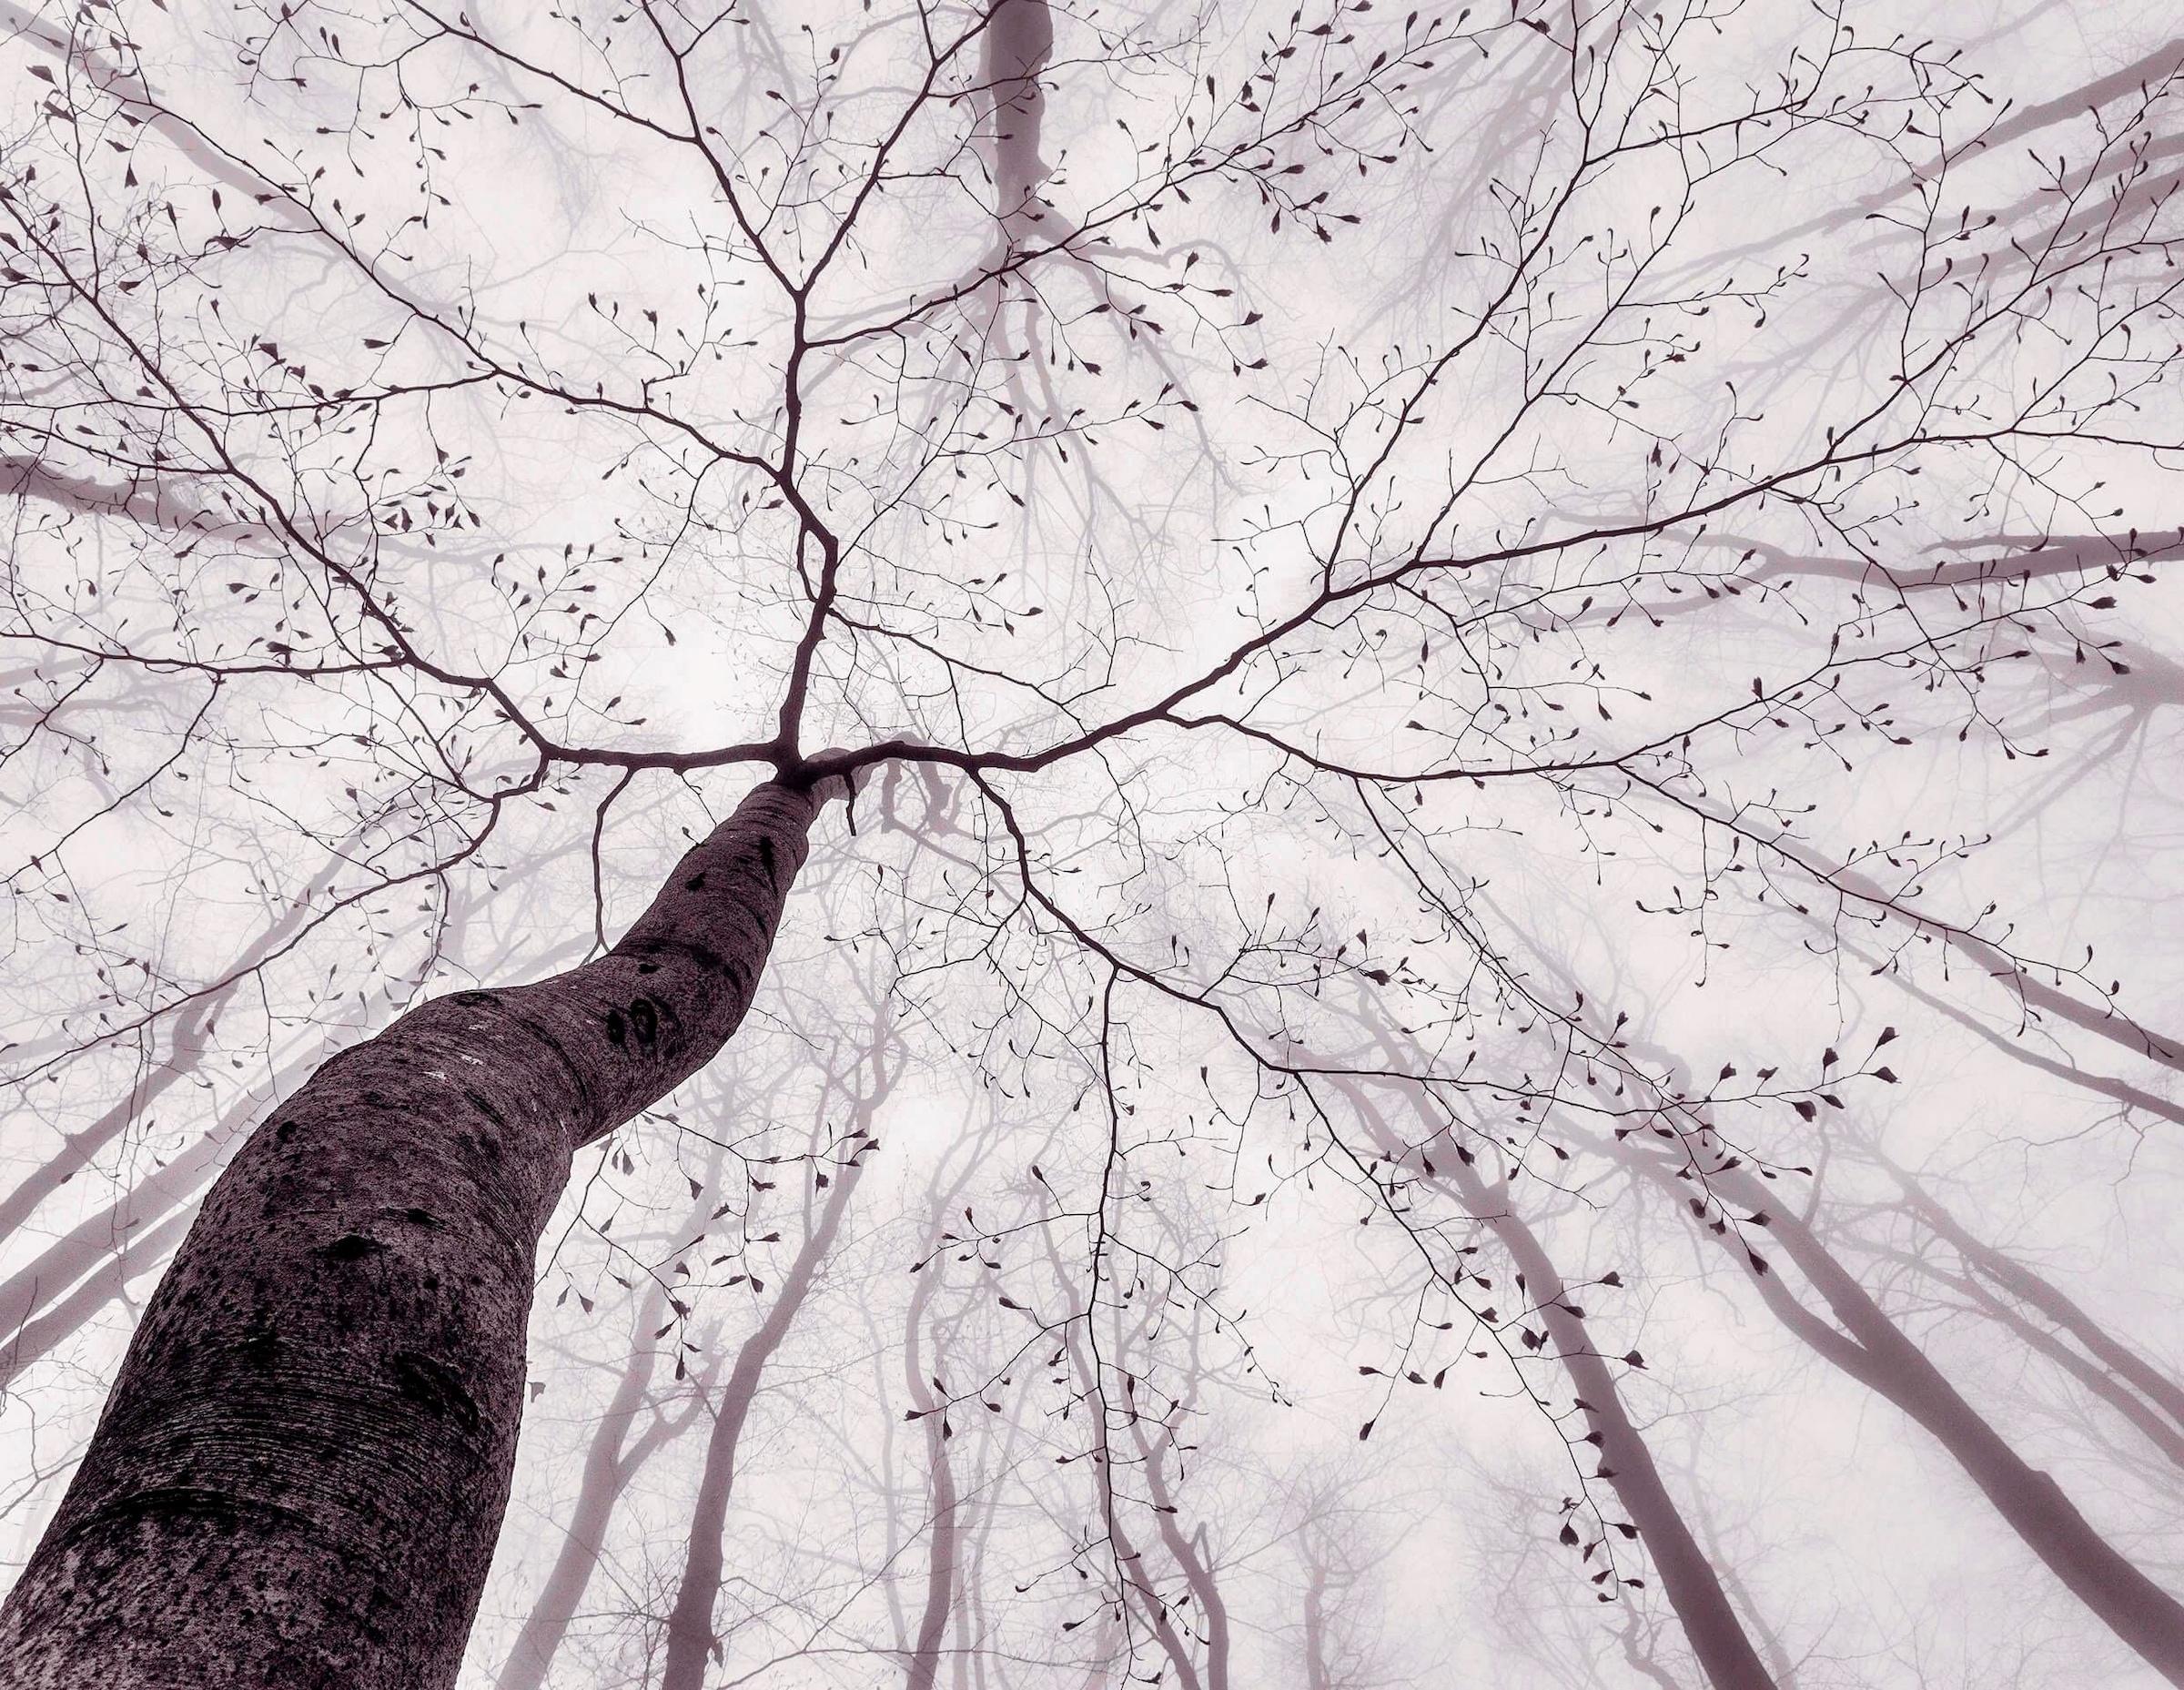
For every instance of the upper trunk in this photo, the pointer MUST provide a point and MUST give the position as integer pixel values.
(300, 1474)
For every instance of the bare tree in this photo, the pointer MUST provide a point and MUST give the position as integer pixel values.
(1207, 491)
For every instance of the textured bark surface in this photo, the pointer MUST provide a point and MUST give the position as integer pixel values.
(300, 1473)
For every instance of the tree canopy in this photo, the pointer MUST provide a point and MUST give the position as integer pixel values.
(1496, 995)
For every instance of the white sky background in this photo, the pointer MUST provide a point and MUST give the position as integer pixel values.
(1850, 1535)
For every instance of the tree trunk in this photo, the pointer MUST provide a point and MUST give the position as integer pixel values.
(2050, 1299)
(1717, 1636)
(1193, 1553)
(924, 1671)
(609, 1464)
(299, 1475)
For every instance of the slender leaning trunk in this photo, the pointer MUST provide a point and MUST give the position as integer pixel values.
(1710, 1625)
(1875, 1350)
(611, 1462)
(1718, 1640)
(924, 1671)
(1192, 1553)
(300, 1473)
(690, 1635)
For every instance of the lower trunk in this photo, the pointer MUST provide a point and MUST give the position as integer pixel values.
(300, 1473)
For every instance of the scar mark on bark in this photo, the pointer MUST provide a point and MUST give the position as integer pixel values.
(696, 883)
(617, 1030)
(485, 1106)
(645, 1020)
(434, 1386)
(351, 1247)
(766, 855)
(703, 955)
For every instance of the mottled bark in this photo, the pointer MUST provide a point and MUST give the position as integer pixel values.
(301, 1469)
(690, 1633)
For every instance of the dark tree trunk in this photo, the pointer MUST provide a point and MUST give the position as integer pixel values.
(1710, 1625)
(299, 1475)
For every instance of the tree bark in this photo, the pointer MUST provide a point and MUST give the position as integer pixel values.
(300, 1473)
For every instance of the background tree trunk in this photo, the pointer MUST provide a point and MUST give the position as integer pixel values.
(1873, 1349)
(690, 1635)
(1716, 1636)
